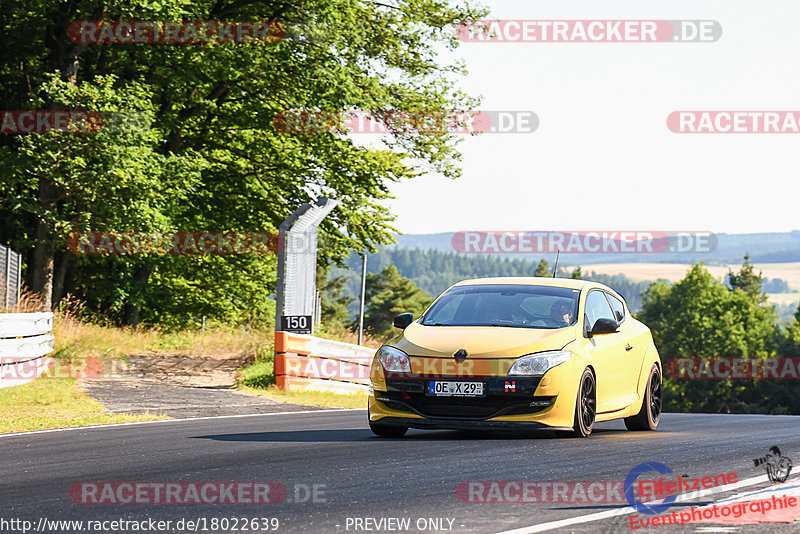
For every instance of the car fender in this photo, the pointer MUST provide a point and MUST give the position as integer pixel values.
(562, 382)
(581, 360)
(650, 357)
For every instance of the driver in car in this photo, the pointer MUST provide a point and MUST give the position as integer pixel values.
(493, 315)
(561, 313)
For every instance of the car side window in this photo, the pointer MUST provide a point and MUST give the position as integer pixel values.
(597, 308)
(617, 307)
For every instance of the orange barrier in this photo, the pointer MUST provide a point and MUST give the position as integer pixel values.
(305, 362)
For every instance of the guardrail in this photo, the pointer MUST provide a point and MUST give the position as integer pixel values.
(304, 363)
(24, 340)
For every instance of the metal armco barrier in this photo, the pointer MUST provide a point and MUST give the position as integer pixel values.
(24, 340)
(305, 363)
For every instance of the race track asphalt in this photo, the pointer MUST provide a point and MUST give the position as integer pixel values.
(359, 476)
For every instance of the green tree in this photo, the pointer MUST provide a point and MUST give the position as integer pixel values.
(543, 269)
(334, 299)
(205, 153)
(746, 280)
(700, 317)
(389, 294)
(576, 273)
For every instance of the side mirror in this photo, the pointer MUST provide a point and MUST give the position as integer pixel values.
(403, 320)
(604, 326)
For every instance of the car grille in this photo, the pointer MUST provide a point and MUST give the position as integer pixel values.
(459, 407)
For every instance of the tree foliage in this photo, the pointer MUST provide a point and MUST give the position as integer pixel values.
(194, 147)
(700, 317)
(748, 281)
(334, 298)
(543, 269)
(389, 294)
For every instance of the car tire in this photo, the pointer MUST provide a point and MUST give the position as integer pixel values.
(585, 407)
(388, 431)
(650, 414)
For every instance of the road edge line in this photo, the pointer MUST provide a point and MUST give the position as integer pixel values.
(183, 419)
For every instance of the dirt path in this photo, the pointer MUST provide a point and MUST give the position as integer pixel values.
(138, 396)
(177, 386)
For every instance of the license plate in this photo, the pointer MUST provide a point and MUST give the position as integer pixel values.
(441, 388)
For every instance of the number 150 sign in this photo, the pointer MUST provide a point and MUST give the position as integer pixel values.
(297, 324)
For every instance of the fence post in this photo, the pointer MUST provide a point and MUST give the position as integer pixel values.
(363, 292)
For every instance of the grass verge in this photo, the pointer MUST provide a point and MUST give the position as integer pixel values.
(58, 402)
(80, 339)
(54, 403)
(310, 398)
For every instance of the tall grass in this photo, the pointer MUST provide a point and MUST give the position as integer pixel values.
(79, 336)
(28, 302)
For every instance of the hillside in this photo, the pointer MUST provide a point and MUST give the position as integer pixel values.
(777, 247)
(435, 270)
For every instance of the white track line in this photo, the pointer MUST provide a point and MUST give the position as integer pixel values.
(112, 425)
(790, 487)
(542, 527)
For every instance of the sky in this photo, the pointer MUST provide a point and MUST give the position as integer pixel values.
(602, 157)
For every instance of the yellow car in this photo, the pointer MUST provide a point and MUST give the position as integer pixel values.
(517, 353)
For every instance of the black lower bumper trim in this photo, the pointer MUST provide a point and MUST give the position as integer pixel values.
(462, 412)
(453, 424)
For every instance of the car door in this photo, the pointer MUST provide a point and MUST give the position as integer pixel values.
(635, 347)
(609, 356)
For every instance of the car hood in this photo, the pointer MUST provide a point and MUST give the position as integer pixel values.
(480, 341)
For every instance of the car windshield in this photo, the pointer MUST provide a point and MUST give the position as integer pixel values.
(520, 306)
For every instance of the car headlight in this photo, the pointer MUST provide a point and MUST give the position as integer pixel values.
(539, 363)
(394, 360)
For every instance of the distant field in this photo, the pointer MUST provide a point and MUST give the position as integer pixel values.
(784, 298)
(676, 271)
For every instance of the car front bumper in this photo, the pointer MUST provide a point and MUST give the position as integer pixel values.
(460, 424)
(405, 399)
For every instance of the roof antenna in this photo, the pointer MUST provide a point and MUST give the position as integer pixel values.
(558, 252)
